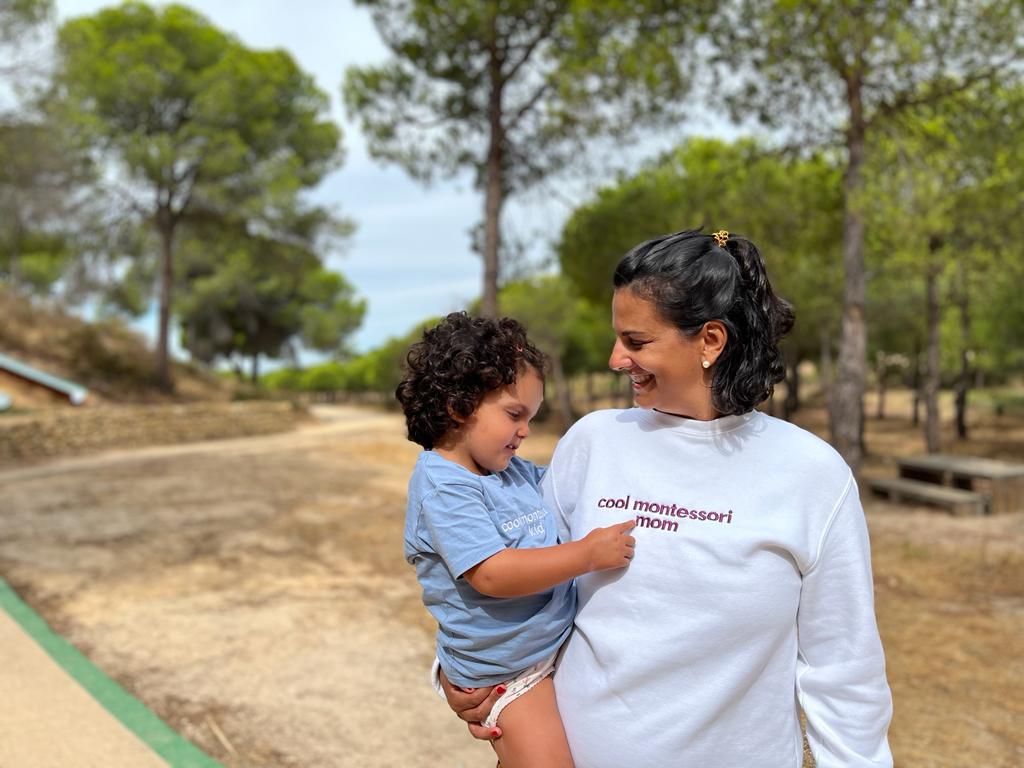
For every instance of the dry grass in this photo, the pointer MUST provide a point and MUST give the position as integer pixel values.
(115, 362)
(259, 585)
(949, 595)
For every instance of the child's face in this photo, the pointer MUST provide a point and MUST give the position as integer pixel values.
(488, 439)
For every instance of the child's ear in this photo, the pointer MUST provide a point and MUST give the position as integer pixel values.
(454, 416)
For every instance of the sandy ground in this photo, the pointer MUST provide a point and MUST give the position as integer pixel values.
(253, 593)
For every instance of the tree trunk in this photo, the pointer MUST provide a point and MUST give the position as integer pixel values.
(932, 373)
(825, 373)
(165, 225)
(792, 402)
(255, 375)
(883, 380)
(14, 264)
(963, 380)
(847, 401)
(561, 392)
(494, 189)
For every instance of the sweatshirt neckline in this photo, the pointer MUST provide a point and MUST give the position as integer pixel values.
(696, 427)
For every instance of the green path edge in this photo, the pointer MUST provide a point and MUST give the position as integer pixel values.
(132, 713)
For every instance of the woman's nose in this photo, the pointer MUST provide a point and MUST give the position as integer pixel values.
(619, 360)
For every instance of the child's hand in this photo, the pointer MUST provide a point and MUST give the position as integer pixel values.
(611, 547)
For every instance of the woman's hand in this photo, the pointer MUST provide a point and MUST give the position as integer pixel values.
(472, 705)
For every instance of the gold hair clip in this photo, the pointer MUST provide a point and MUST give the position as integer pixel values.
(721, 238)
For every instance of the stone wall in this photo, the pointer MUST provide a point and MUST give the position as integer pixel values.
(82, 430)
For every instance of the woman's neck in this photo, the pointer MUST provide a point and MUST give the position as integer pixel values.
(709, 415)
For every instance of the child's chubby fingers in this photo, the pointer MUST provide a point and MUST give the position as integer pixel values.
(628, 542)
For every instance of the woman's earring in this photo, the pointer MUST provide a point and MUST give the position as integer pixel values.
(705, 364)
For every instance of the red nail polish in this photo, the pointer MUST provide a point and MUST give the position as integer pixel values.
(495, 733)
(500, 689)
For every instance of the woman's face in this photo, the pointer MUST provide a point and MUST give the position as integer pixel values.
(664, 365)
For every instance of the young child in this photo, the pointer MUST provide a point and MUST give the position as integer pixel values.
(484, 546)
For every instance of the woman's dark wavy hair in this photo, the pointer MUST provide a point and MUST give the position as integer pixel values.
(691, 280)
(456, 364)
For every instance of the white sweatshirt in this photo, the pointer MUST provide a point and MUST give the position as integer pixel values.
(750, 596)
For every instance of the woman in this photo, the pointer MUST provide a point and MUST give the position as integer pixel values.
(750, 596)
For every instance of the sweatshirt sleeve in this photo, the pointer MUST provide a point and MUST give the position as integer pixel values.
(841, 681)
(456, 522)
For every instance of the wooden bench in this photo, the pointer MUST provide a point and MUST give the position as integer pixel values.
(957, 501)
(1000, 482)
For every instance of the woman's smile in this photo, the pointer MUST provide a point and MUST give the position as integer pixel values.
(664, 366)
(641, 380)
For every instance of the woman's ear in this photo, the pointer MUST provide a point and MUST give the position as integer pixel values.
(714, 336)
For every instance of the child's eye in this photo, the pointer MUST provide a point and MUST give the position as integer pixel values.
(514, 414)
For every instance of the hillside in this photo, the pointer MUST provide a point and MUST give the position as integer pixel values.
(112, 360)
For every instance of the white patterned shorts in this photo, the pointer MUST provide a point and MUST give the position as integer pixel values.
(514, 688)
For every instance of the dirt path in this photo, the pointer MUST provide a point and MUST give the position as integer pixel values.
(253, 593)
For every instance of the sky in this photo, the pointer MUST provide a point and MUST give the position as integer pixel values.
(410, 256)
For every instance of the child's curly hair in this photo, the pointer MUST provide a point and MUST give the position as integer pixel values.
(459, 361)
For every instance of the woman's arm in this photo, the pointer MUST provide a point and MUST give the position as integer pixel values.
(518, 572)
(841, 668)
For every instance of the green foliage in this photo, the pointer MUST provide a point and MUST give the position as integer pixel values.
(943, 194)
(190, 110)
(799, 64)
(284, 379)
(833, 73)
(33, 261)
(556, 66)
(18, 16)
(512, 91)
(378, 370)
(203, 129)
(999, 325)
(254, 296)
(590, 339)
(789, 206)
(41, 169)
(329, 377)
(560, 323)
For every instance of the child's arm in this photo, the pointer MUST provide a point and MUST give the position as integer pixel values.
(518, 572)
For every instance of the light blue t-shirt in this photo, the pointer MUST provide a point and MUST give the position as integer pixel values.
(457, 519)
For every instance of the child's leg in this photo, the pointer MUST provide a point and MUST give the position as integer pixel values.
(531, 731)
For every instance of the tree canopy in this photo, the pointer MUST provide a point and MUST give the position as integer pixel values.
(789, 206)
(510, 91)
(252, 296)
(841, 70)
(198, 126)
